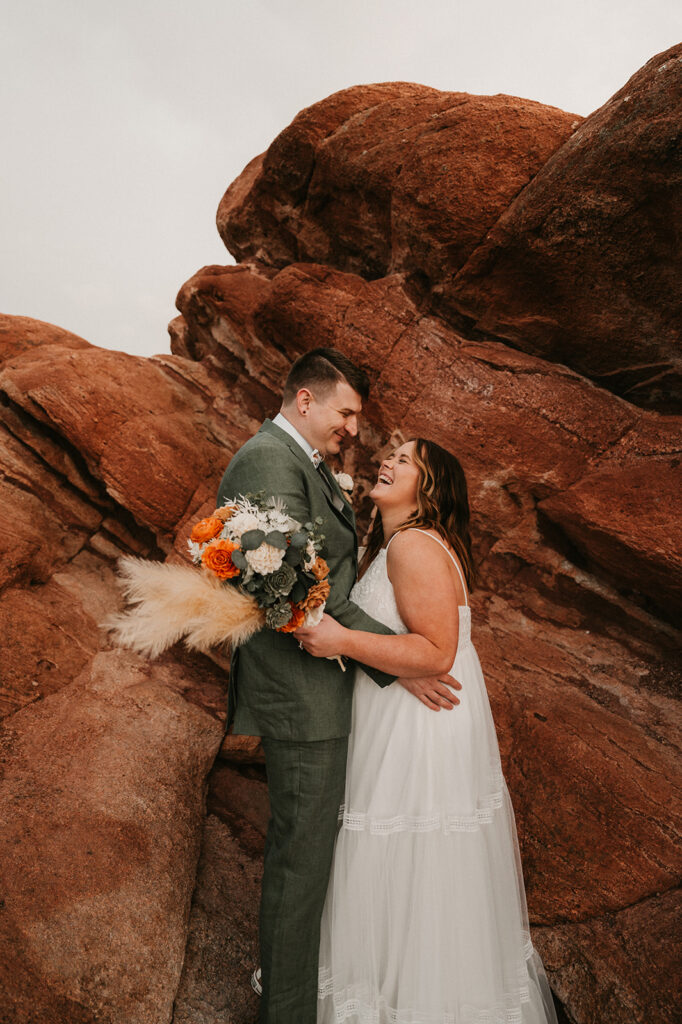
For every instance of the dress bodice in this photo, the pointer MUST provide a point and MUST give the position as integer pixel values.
(375, 595)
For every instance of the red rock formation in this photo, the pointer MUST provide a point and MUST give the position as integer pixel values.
(388, 177)
(104, 781)
(104, 755)
(514, 220)
(584, 266)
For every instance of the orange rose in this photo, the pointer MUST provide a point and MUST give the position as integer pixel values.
(320, 569)
(206, 529)
(224, 513)
(296, 620)
(316, 596)
(218, 558)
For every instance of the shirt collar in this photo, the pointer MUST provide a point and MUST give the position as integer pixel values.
(313, 454)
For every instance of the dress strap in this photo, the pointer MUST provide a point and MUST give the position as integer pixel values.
(445, 548)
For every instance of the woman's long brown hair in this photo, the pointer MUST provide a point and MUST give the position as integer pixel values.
(442, 505)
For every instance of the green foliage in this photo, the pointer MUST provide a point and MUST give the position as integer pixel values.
(293, 556)
(251, 540)
(276, 539)
(239, 560)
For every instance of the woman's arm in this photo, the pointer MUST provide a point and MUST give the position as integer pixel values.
(427, 601)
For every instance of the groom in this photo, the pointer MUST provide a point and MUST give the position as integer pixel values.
(299, 705)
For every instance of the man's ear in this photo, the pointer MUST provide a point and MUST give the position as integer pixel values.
(303, 400)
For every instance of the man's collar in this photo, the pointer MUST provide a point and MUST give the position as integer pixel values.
(313, 454)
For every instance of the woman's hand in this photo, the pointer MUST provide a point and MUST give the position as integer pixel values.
(324, 640)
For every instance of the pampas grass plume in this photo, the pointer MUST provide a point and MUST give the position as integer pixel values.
(169, 603)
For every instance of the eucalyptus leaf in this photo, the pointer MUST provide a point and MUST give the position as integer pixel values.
(298, 592)
(239, 560)
(299, 540)
(293, 556)
(276, 539)
(252, 539)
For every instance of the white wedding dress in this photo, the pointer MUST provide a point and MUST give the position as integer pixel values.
(425, 920)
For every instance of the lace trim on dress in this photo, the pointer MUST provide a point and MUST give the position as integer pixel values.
(364, 1014)
(325, 980)
(359, 821)
(507, 1012)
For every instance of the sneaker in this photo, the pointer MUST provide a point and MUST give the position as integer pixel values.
(255, 982)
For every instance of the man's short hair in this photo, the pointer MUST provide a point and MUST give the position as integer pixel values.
(320, 370)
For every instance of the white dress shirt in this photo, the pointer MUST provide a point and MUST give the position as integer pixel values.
(312, 453)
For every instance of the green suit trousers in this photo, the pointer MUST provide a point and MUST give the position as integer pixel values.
(306, 785)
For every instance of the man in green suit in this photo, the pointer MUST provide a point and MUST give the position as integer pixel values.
(299, 705)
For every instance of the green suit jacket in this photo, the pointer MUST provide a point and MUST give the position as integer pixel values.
(277, 689)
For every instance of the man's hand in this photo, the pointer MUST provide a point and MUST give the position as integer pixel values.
(434, 691)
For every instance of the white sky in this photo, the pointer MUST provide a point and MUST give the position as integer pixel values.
(123, 122)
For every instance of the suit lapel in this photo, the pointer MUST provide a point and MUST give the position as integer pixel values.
(339, 500)
(332, 492)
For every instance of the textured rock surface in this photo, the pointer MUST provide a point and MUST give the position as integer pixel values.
(511, 219)
(584, 267)
(606, 965)
(102, 806)
(104, 756)
(222, 948)
(576, 638)
(387, 177)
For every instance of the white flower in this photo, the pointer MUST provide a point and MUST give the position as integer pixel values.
(277, 503)
(240, 523)
(345, 481)
(282, 522)
(195, 550)
(313, 617)
(265, 559)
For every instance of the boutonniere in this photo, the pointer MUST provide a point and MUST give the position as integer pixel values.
(345, 482)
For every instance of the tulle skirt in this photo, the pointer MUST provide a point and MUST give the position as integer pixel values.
(425, 920)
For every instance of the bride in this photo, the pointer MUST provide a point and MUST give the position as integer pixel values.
(425, 920)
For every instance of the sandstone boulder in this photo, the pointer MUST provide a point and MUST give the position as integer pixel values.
(513, 221)
(101, 807)
(389, 177)
(583, 268)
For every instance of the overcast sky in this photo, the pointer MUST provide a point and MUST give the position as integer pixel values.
(123, 123)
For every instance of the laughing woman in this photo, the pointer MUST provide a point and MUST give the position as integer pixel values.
(425, 920)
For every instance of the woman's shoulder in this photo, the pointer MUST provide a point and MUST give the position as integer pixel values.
(414, 539)
(421, 544)
(413, 534)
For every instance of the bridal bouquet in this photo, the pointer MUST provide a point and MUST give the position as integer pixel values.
(255, 567)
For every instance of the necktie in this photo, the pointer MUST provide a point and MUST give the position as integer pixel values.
(337, 501)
